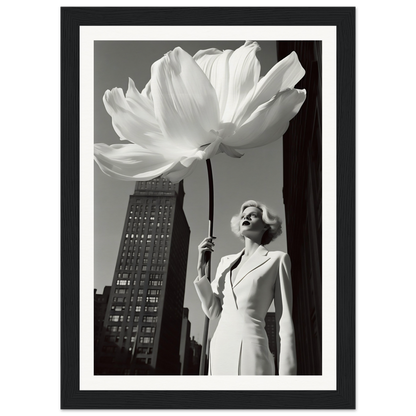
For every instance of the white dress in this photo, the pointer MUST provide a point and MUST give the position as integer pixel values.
(240, 344)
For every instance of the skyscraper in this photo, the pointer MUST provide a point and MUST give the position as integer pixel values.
(302, 192)
(100, 307)
(142, 326)
(185, 347)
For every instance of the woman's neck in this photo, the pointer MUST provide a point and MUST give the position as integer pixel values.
(250, 246)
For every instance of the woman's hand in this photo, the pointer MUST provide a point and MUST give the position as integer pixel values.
(203, 249)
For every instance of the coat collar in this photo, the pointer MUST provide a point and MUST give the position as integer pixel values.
(259, 257)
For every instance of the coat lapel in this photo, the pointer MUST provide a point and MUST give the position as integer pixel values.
(231, 259)
(255, 261)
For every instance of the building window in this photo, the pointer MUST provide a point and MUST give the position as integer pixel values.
(158, 268)
(116, 318)
(146, 340)
(114, 328)
(155, 276)
(149, 318)
(148, 329)
(141, 360)
(143, 350)
(111, 338)
(152, 299)
(123, 282)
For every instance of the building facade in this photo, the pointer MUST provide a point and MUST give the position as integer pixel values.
(195, 358)
(143, 321)
(185, 346)
(302, 193)
(100, 308)
(270, 327)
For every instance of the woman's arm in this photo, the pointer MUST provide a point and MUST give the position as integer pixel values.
(210, 301)
(283, 306)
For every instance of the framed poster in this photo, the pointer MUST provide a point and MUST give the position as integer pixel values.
(310, 174)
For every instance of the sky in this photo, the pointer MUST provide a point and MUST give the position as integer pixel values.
(257, 175)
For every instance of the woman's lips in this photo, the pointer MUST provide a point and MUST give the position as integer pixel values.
(246, 223)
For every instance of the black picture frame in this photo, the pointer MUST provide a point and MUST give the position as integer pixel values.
(72, 18)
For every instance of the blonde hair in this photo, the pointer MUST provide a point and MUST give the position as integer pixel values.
(271, 219)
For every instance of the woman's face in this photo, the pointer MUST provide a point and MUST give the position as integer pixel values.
(251, 223)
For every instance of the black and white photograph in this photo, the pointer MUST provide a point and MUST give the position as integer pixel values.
(207, 148)
(207, 252)
(208, 220)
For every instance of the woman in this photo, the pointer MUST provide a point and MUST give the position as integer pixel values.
(241, 294)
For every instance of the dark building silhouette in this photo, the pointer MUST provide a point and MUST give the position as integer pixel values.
(185, 347)
(100, 307)
(194, 357)
(302, 192)
(270, 327)
(143, 320)
(190, 350)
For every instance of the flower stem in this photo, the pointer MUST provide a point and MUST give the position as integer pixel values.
(208, 262)
(211, 199)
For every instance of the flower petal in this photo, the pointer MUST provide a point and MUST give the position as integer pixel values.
(285, 74)
(186, 105)
(147, 92)
(139, 103)
(132, 120)
(129, 162)
(273, 115)
(215, 64)
(230, 151)
(244, 72)
(186, 166)
(179, 172)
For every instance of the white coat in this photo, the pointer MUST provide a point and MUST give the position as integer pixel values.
(240, 344)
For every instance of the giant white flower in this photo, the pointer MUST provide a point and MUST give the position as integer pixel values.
(195, 107)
